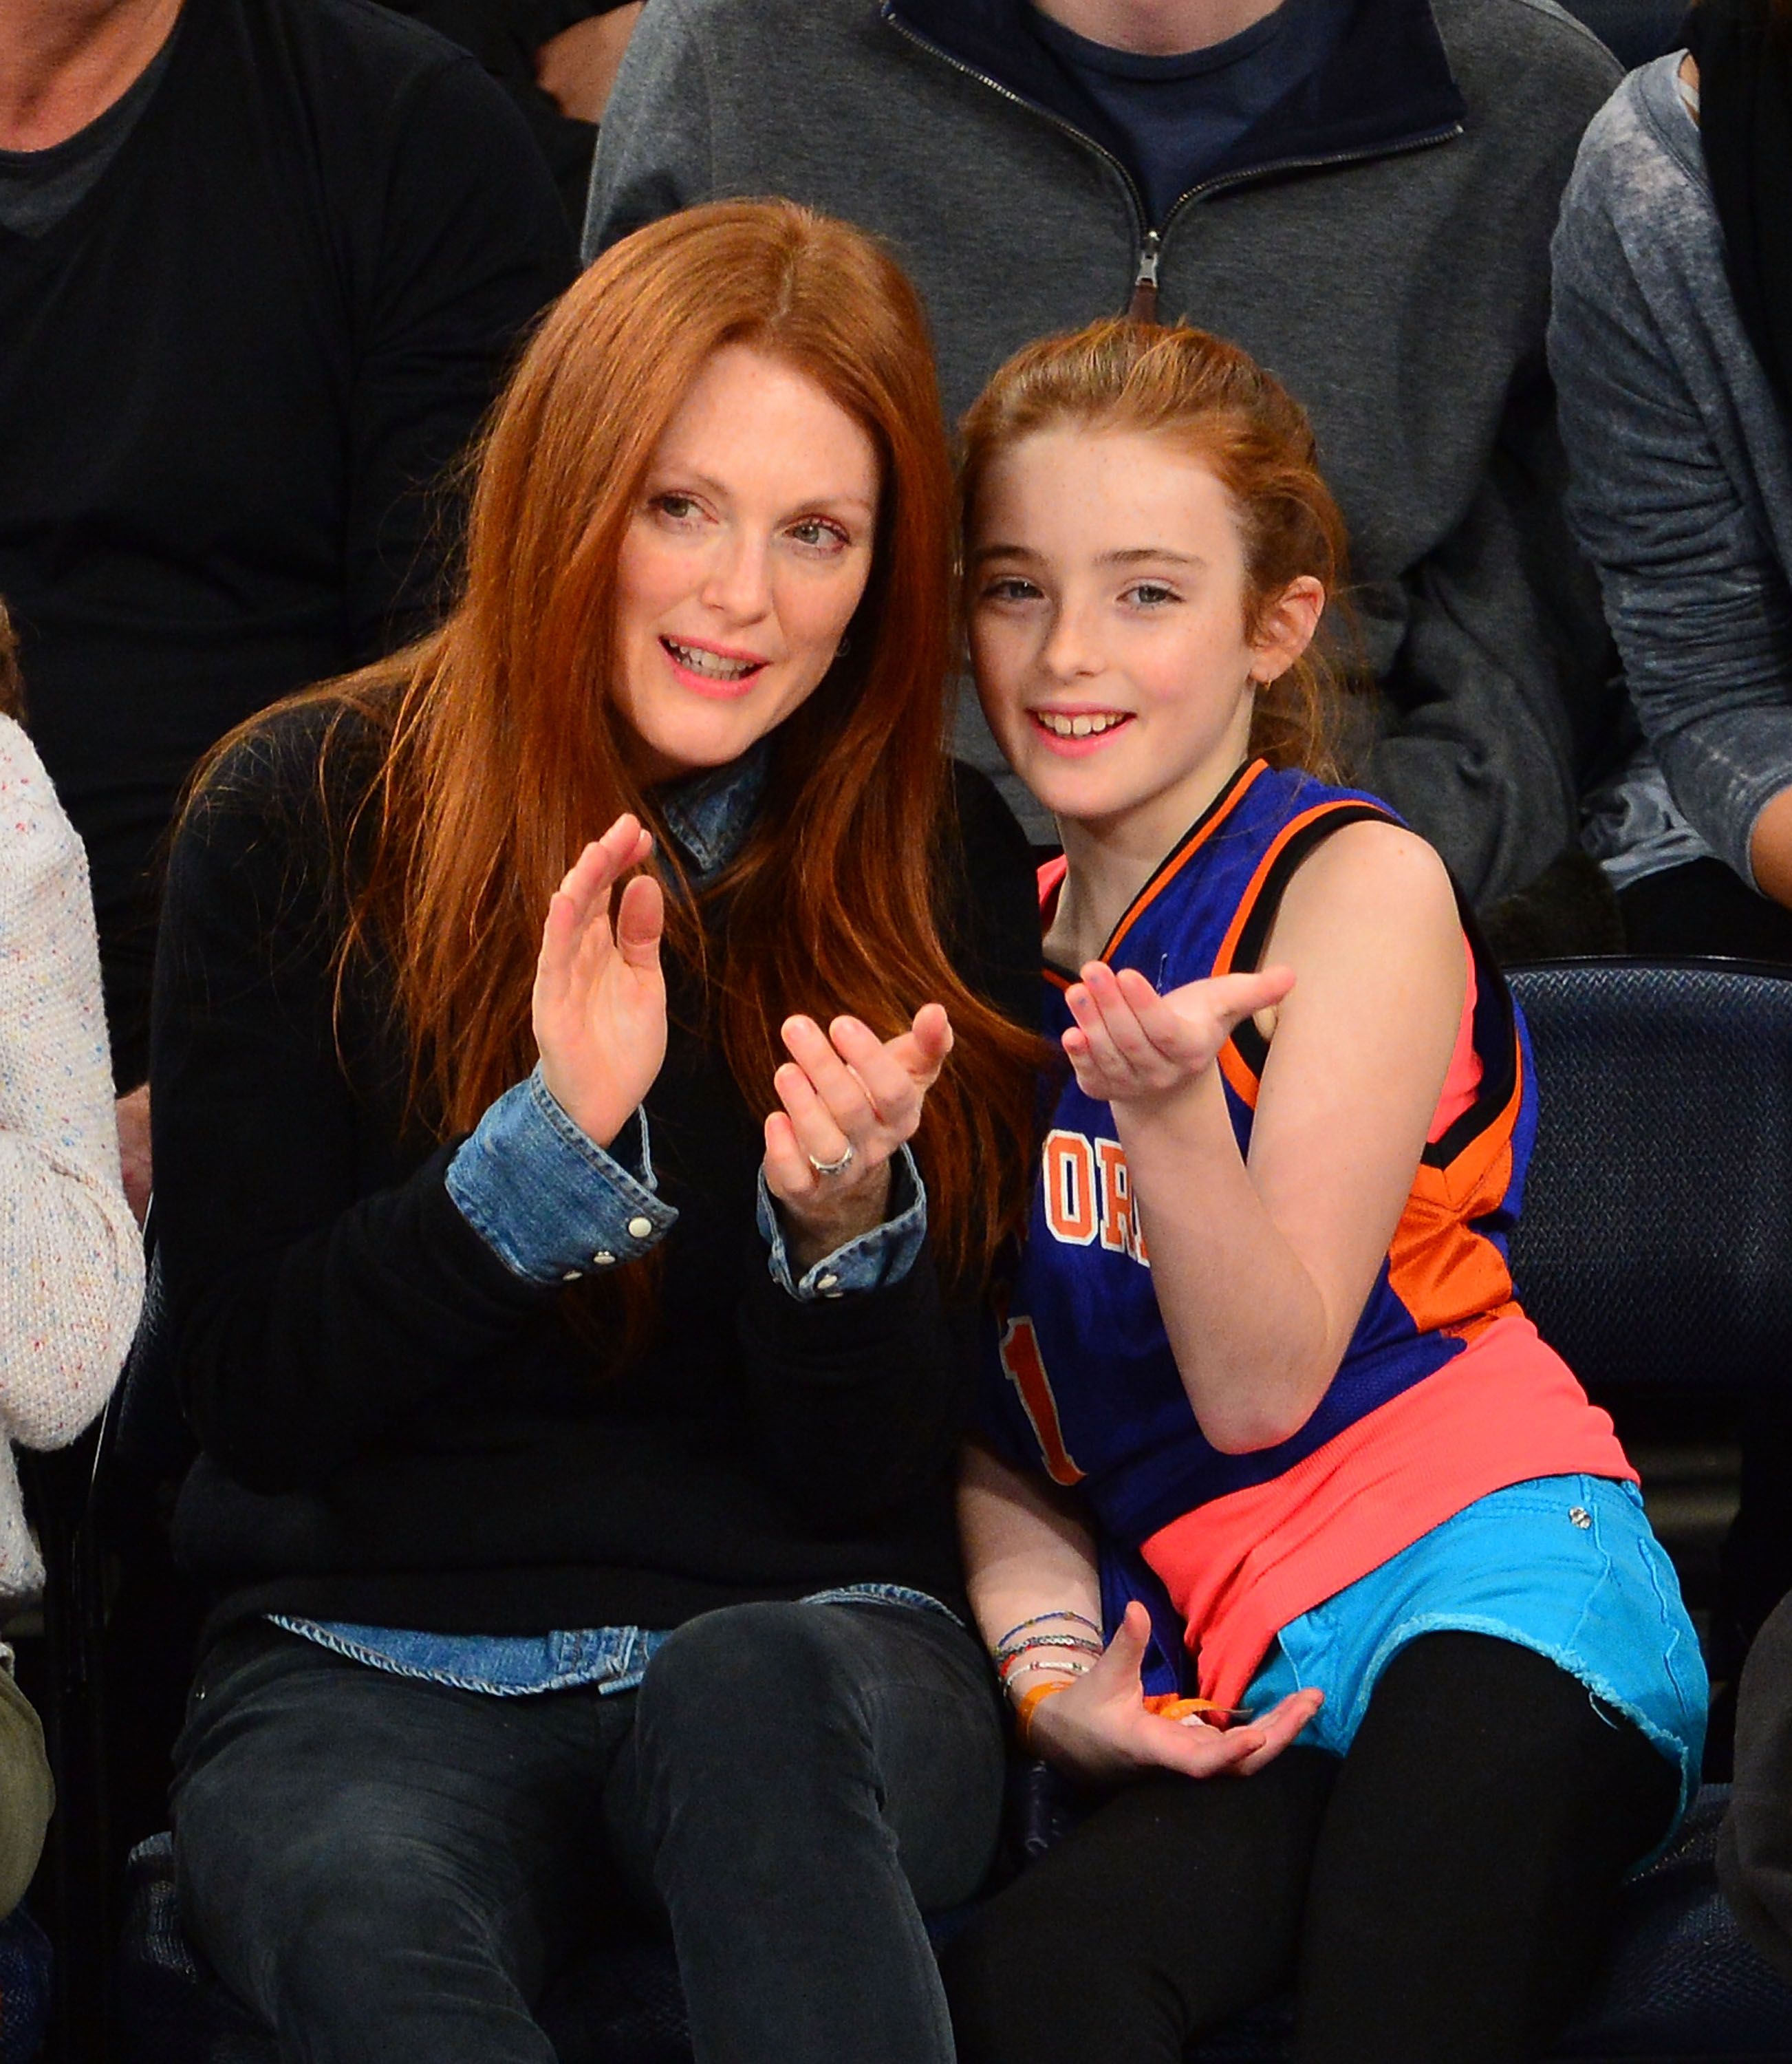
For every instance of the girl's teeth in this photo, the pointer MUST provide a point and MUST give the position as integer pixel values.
(1078, 727)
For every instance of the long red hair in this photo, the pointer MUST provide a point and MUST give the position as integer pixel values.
(502, 752)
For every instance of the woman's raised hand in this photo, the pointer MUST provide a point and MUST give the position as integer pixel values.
(1101, 1729)
(850, 1100)
(1129, 1044)
(600, 999)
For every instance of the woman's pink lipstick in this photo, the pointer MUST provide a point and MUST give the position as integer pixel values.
(717, 688)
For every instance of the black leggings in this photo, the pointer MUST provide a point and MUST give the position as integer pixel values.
(1439, 1896)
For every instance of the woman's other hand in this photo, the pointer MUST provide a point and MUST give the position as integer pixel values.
(1131, 1045)
(599, 1003)
(1101, 1730)
(134, 1158)
(845, 1092)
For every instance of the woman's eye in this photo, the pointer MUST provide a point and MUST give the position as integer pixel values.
(1010, 587)
(679, 507)
(815, 530)
(1149, 595)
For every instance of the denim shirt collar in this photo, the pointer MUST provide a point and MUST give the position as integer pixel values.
(711, 813)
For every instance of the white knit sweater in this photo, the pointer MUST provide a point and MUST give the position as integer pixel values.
(71, 1264)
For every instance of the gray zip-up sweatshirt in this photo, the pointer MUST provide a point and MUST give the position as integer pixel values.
(1380, 242)
(1682, 467)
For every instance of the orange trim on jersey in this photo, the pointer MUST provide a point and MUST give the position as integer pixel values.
(1233, 1065)
(1451, 1278)
(1503, 1411)
(1168, 873)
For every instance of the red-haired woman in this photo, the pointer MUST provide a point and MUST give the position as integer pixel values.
(577, 1348)
(1270, 1429)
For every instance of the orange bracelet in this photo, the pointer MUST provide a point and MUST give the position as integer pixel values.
(1029, 1702)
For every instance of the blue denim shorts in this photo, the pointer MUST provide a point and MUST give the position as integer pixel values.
(1566, 1565)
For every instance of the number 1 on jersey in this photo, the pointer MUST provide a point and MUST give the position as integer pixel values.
(1025, 1369)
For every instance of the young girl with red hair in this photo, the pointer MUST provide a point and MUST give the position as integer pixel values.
(588, 1089)
(1269, 1438)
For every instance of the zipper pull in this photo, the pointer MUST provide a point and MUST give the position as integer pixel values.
(1143, 307)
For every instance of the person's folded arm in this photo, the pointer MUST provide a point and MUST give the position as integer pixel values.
(71, 1264)
(1697, 597)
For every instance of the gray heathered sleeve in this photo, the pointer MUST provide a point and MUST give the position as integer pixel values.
(1643, 325)
(1491, 651)
(1478, 752)
(654, 153)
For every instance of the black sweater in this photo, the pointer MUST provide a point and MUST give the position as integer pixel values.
(227, 378)
(398, 1432)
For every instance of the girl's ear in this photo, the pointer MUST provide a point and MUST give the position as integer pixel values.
(1286, 629)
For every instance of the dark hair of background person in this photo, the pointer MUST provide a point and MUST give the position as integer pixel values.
(1219, 404)
(502, 752)
(12, 686)
(1743, 49)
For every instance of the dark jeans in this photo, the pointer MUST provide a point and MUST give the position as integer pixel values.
(1701, 908)
(391, 1870)
(1437, 1897)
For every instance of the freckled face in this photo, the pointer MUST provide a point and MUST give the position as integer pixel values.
(742, 563)
(1107, 584)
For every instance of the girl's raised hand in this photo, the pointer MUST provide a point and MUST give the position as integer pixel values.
(1129, 1044)
(599, 1002)
(850, 1100)
(1101, 1730)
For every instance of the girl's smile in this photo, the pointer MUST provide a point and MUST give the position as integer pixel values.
(1107, 626)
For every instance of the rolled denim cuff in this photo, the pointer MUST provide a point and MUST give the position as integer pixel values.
(874, 1260)
(551, 1204)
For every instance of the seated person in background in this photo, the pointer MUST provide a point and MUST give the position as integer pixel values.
(1262, 1396)
(1359, 192)
(555, 1318)
(1671, 343)
(262, 266)
(71, 1265)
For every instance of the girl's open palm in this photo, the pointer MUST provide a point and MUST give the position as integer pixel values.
(1102, 1730)
(1129, 1044)
(599, 1003)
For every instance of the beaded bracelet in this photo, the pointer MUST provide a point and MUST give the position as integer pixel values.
(1029, 1703)
(1078, 1644)
(1061, 1665)
(1039, 1619)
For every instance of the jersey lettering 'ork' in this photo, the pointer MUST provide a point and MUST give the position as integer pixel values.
(1079, 1379)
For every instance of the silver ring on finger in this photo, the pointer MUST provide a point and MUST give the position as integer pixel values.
(834, 1167)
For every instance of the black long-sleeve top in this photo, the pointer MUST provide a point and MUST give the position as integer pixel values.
(229, 378)
(398, 1431)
